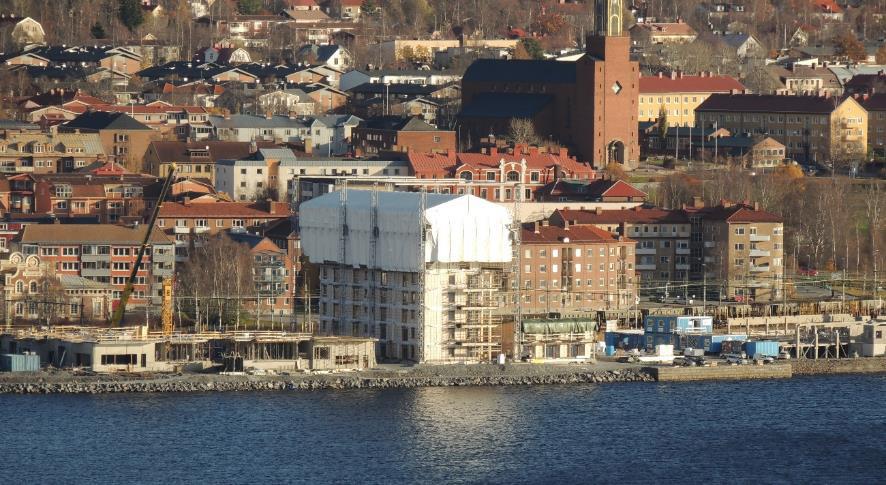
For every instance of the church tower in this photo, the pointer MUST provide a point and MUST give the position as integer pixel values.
(608, 18)
(609, 83)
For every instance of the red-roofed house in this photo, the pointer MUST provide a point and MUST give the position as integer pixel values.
(499, 176)
(600, 190)
(573, 268)
(679, 95)
(190, 221)
(663, 32)
(828, 9)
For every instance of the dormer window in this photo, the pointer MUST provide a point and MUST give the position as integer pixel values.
(63, 191)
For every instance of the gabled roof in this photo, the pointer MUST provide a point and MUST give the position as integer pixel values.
(737, 213)
(874, 102)
(576, 234)
(447, 164)
(681, 83)
(100, 120)
(595, 190)
(216, 210)
(182, 152)
(735, 40)
(396, 123)
(521, 71)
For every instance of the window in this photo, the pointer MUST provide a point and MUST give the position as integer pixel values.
(513, 176)
(490, 176)
(237, 223)
(70, 251)
(739, 247)
(739, 231)
(201, 223)
(121, 252)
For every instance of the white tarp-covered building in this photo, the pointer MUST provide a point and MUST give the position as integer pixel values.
(460, 228)
(439, 306)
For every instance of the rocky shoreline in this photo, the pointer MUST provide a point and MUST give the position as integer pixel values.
(218, 383)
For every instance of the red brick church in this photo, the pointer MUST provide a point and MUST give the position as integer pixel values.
(589, 105)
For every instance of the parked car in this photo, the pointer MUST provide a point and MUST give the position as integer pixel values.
(735, 359)
(808, 272)
(784, 355)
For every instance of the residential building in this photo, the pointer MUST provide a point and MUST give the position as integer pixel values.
(875, 105)
(598, 190)
(662, 238)
(195, 159)
(124, 139)
(813, 128)
(375, 99)
(222, 55)
(329, 134)
(663, 32)
(867, 83)
(36, 152)
(743, 45)
(589, 105)
(570, 269)
(743, 250)
(498, 176)
(28, 31)
(34, 292)
(356, 77)
(394, 51)
(677, 95)
(103, 253)
(332, 55)
(393, 133)
(411, 271)
(190, 222)
(765, 153)
(286, 101)
(273, 275)
(796, 79)
(276, 173)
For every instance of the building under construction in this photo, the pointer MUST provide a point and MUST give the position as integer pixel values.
(424, 274)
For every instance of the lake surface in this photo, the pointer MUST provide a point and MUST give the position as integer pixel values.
(821, 430)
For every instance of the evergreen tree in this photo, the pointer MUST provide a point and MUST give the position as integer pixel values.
(131, 14)
(249, 7)
(98, 32)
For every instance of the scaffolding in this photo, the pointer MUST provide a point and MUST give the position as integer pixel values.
(473, 325)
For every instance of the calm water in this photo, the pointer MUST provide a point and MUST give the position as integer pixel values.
(821, 430)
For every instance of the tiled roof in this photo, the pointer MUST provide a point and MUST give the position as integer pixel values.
(445, 165)
(49, 234)
(874, 102)
(689, 84)
(179, 151)
(737, 213)
(396, 123)
(769, 103)
(216, 209)
(676, 29)
(637, 216)
(576, 234)
(521, 71)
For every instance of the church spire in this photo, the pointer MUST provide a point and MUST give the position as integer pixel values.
(608, 19)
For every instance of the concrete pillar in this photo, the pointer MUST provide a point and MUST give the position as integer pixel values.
(815, 329)
(797, 348)
(837, 353)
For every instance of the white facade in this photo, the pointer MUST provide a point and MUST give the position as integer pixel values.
(427, 288)
(327, 135)
(458, 229)
(352, 79)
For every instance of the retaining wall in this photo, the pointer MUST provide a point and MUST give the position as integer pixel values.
(722, 372)
(808, 367)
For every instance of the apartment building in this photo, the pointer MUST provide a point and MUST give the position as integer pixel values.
(36, 152)
(875, 104)
(196, 159)
(103, 253)
(500, 176)
(812, 128)
(189, 222)
(124, 139)
(421, 273)
(568, 269)
(396, 134)
(662, 237)
(276, 173)
(743, 250)
(328, 134)
(677, 95)
(273, 275)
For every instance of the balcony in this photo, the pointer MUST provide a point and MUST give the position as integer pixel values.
(200, 229)
(182, 230)
(759, 269)
(759, 253)
(645, 250)
(759, 238)
(710, 244)
(645, 267)
(682, 250)
(684, 267)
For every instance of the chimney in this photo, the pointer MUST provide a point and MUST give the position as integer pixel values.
(268, 115)
(186, 200)
(493, 151)
(598, 210)
(697, 202)
(756, 206)
(660, 74)
(564, 152)
(565, 224)
(309, 146)
(535, 228)
(533, 150)
(545, 223)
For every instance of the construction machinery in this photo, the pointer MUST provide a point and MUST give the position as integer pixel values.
(117, 318)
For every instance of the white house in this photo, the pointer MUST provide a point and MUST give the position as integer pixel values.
(28, 31)
(329, 135)
(287, 101)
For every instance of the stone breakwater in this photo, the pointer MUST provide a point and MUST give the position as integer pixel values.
(305, 383)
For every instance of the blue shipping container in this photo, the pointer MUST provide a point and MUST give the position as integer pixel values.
(610, 350)
(717, 341)
(19, 362)
(763, 347)
(678, 324)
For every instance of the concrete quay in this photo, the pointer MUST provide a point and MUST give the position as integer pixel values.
(720, 372)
